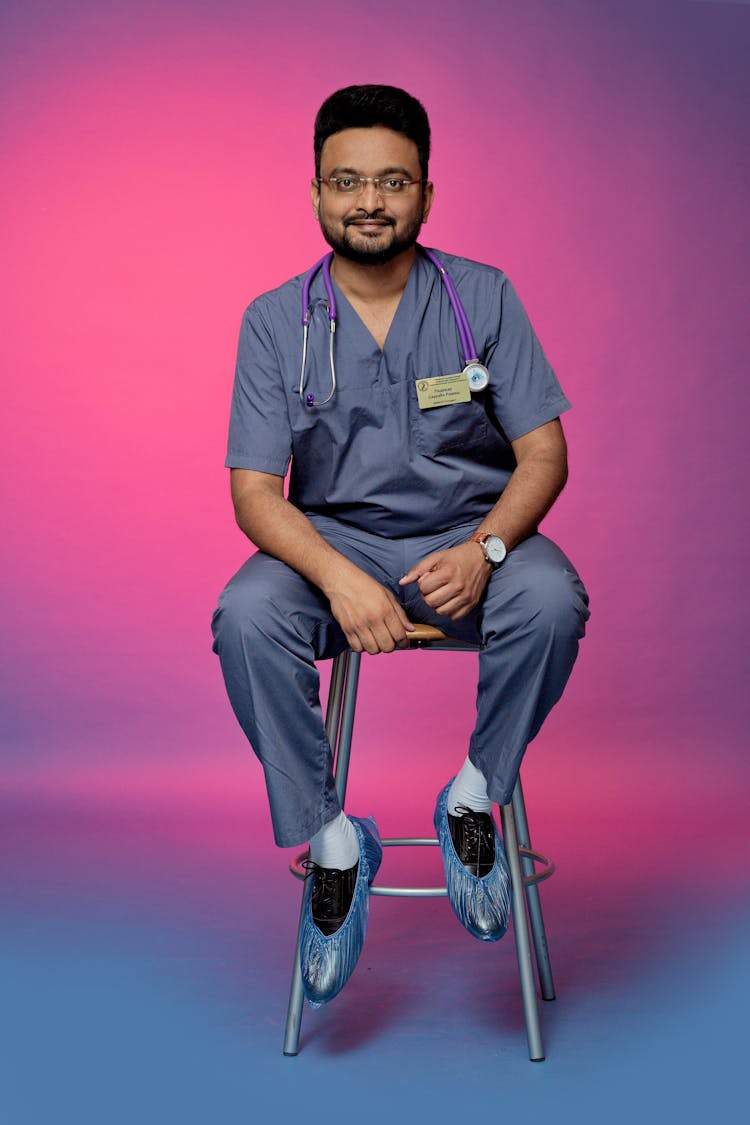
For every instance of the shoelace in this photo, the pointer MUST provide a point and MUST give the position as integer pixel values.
(478, 832)
(326, 883)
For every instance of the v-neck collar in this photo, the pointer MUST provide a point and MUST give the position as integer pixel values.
(406, 301)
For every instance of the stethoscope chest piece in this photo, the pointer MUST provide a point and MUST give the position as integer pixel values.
(477, 376)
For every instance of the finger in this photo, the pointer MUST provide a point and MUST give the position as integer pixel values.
(411, 576)
(403, 620)
(383, 638)
(445, 595)
(434, 580)
(399, 627)
(456, 608)
(394, 629)
(354, 642)
(390, 630)
(360, 639)
(419, 568)
(371, 644)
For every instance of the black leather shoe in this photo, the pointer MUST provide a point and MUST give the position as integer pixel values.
(473, 836)
(332, 894)
(468, 841)
(331, 941)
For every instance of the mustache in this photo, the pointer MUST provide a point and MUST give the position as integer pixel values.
(364, 216)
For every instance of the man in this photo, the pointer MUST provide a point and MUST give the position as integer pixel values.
(415, 495)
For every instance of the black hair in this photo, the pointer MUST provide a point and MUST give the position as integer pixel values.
(361, 107)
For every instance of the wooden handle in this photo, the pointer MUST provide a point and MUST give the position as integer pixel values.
(425, 633)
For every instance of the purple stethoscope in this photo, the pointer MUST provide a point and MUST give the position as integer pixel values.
(476, 373)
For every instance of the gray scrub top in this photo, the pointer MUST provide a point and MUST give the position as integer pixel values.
(371, 457)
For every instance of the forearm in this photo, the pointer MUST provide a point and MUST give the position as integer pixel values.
(452, 582)
(538, 479)
(526, 499)
(281, 530)
(371, 618)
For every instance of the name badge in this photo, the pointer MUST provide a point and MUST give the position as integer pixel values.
(442, 390)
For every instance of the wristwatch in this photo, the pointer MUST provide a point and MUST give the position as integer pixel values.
(492, 546)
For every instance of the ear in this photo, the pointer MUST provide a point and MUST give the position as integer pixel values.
(428, 196)
(315, 198)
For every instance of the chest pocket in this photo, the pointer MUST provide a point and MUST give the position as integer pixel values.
(461, 425)
(341, 444)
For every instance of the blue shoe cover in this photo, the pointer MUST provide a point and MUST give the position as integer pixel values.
(327, 961)
(482, 906)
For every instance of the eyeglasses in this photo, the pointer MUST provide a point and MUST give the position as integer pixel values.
(353, 185)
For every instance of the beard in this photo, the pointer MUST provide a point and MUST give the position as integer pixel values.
(367, 250)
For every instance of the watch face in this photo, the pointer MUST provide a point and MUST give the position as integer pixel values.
(496, 551)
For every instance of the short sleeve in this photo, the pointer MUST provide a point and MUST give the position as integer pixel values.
(259, 431)
(525, 390)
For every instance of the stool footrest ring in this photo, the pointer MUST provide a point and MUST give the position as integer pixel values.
(409, 892)
(536, 857)
(299, 872)
(297, 869)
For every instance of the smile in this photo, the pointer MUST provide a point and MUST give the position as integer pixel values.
(369, 224)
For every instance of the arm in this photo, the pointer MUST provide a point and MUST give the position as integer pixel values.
(452, 582)
(369, 615)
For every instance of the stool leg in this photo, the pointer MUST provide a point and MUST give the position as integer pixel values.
(541, 949)
(296, 994)
(342, 699)
(344, 747)
(521, 931)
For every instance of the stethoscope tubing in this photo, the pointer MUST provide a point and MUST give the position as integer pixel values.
(465, 335)
(323, 263)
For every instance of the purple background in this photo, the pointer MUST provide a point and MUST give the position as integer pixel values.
(156, 163)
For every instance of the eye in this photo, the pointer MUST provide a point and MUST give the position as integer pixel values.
(392, 185)
(345, 183)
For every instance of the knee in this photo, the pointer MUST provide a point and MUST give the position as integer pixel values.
(556, 600)
(540, 596)
(245, 609)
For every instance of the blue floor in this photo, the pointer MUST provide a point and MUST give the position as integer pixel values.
(137, 992)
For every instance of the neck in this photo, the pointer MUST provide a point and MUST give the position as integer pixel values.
(375, 282)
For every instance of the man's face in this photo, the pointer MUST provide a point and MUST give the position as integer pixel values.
(368, 227)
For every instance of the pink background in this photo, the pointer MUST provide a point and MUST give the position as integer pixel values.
(156, 162)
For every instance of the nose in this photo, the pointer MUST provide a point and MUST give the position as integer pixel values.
(370, 194)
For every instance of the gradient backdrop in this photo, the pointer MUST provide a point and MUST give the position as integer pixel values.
(156, 159)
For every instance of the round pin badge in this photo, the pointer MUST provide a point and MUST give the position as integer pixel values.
(477, 376)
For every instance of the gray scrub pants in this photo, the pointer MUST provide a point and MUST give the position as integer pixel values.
(271, 625)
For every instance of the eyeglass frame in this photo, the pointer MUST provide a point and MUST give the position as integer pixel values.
(376, 182)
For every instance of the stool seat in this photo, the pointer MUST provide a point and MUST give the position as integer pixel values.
(528, 924)
(429, 636)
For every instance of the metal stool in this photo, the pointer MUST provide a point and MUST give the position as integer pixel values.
(528, 924)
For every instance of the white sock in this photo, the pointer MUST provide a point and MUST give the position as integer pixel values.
(469, 789)
(335, 844)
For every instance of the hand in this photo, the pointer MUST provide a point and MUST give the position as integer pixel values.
(370, 616)
(451, 582)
